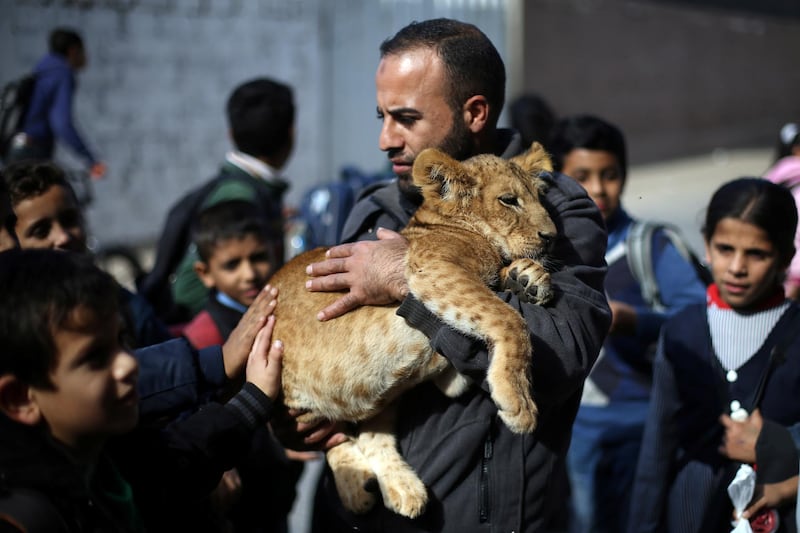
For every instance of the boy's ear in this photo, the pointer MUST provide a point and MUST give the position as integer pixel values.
(202, 271)
(16, 401)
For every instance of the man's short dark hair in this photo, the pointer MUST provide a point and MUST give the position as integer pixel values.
(590, 133)
(63, 39)
(231, 219)
(27, 179)
(261, 115)
(40, 290)
(472, 63)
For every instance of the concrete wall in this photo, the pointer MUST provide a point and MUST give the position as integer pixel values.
(679, 79)
(152, 98)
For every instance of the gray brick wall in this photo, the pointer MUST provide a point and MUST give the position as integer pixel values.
(151, 101)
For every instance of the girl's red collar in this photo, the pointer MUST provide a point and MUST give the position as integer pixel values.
(714, 299)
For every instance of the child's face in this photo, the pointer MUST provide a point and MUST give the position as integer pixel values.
(599, 173)
(94, 394)
(50, 220)
(238, 267)
(744, 263)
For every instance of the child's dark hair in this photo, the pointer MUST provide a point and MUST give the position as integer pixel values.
(28, 179)
(759, 202)
(231, 219)
(261, 116)
(588, 132)
(40, 290)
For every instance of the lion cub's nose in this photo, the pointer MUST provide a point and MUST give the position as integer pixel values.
(547, 239)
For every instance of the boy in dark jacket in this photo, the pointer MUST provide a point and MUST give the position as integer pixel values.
(47, 215)
(69, 460)
(235, 260)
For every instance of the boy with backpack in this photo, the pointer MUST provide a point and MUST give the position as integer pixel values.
(651, 275)
(261, 117)
(41, 110)
(72, 457)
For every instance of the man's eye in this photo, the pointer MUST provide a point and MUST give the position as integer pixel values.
(406, 121)
(509, 200)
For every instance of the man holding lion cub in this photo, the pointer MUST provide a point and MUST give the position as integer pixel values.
(440, 84)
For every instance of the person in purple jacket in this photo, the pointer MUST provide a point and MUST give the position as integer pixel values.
(49, 116)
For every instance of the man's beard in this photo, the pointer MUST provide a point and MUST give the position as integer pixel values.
(457, 144)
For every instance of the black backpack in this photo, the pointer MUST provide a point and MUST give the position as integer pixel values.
(172, 245)
(14, 102)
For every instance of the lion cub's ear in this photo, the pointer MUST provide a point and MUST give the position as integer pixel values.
(440, 176)
(535, 159)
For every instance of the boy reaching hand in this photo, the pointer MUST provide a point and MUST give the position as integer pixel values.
(235, 259)
(72, 457)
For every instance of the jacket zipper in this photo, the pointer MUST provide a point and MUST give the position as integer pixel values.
(488, 450)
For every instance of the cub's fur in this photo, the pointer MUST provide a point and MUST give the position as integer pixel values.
(477, 217)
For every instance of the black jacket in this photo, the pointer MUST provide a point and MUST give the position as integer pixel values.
(169, 470)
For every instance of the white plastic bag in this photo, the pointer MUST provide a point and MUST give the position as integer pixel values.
(741, 491)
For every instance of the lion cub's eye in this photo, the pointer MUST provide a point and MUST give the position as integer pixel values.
(509, 200)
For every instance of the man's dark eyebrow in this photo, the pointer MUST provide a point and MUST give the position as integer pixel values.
(398, 111)
(404, 111)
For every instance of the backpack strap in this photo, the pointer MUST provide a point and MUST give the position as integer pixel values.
(639, 244)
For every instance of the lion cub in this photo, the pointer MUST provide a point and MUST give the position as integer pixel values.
(477, 217)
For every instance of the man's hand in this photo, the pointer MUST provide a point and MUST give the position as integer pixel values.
(373, 273)
(264, 363)
(739, 442)
(237, 348)
(301, 439)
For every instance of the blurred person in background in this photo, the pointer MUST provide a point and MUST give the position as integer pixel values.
(49, 115)
(786, 171)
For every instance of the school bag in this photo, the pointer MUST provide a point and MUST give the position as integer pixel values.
(14, 102)
(170, 249)
(324, 208)
(639, 244)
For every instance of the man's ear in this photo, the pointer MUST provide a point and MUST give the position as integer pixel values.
(202, 271)
(16, 401)
(476, 113)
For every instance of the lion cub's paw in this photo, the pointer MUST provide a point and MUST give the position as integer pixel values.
(528, 279)
(404, 493)
(511, 394)
(522, 418)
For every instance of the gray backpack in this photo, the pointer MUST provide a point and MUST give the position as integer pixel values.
(639, 244)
